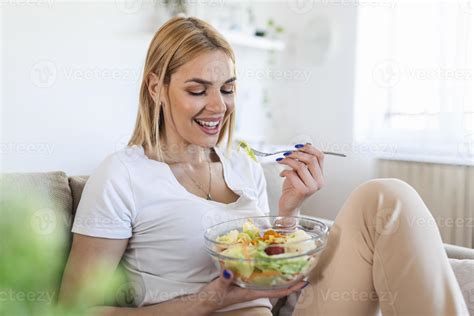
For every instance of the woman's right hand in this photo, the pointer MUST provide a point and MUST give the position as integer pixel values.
(222, 292)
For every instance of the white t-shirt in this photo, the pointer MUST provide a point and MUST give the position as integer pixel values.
(132, 196)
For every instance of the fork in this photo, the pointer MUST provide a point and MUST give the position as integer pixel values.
(262, 154)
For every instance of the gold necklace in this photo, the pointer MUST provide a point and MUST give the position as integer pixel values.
(208, 194)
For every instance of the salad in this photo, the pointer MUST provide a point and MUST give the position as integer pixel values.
(248, 150)
(265, 257)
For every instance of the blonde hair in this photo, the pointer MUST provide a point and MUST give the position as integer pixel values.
(177, 41)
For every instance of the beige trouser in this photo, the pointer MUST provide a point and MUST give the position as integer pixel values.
(250, 311)
(383, 251)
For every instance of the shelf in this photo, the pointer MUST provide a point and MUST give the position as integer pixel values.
(246, 40)
(234, 38)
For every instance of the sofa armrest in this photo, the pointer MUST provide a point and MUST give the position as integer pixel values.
(453, 251)
(458, 252)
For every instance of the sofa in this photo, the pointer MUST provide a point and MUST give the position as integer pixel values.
(61, 193)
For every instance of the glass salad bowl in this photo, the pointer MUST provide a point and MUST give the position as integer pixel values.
(267, 252)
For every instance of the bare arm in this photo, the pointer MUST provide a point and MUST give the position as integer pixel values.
(86, 256)
(89, 252)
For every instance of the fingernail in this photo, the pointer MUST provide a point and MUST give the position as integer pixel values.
(279, 159)
(287, 153)
(307, 283)
(227, 274)
(299, 146)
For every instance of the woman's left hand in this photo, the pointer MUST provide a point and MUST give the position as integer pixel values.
(303, 179)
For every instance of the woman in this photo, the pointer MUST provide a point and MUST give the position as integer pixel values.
(148, 205)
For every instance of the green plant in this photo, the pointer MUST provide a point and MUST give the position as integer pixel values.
(33, 250)
(273, 29)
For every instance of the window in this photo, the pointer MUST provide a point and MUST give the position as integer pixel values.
(414, 79)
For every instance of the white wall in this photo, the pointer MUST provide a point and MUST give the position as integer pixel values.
(71, 75)
(316, 103)
(63, 110)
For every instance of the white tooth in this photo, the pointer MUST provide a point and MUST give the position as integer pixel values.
(210, 124)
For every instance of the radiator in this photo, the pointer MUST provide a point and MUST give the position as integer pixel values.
(447, 190)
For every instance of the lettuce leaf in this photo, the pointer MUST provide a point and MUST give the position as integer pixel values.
(246, 147)
(245, 268)
(280, 264)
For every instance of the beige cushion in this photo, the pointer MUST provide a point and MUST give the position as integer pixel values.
(48, 197)
(464, 271)
(457, 252)
(50, 191)
(77, 184)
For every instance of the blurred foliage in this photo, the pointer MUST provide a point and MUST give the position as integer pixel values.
(34, 245)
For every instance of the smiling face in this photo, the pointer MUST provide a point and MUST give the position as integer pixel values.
(200, 98)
